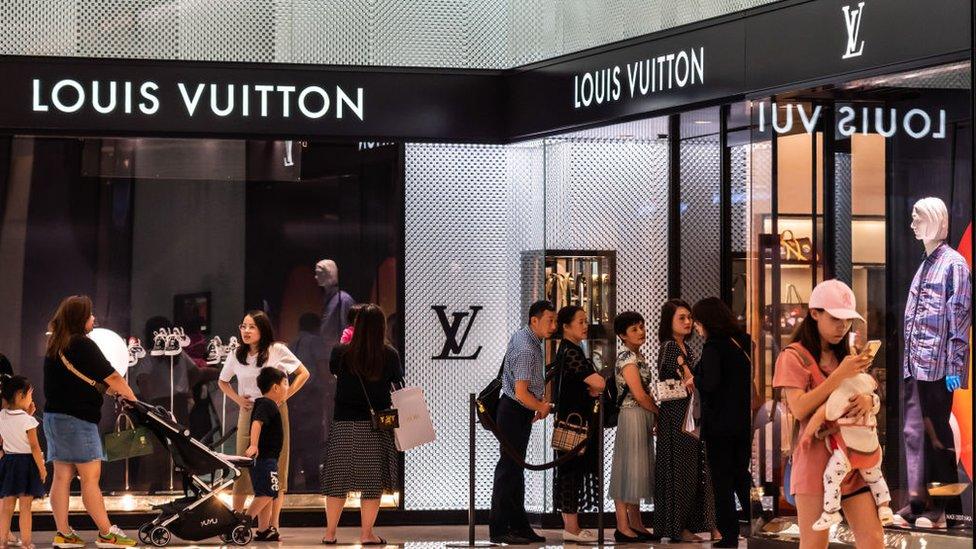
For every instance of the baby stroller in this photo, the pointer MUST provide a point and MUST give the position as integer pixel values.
(200, 514)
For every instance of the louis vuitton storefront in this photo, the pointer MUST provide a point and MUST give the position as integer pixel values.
(748, 156)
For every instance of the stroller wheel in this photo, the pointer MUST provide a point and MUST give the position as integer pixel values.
(160, 536)
(241, 535)
(144, 531)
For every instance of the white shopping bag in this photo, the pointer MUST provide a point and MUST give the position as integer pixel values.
(416, 427)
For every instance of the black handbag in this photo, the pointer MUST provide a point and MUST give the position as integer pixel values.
(382, 420)
(489, 396)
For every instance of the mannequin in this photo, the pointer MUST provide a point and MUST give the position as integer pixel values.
(937, 320)
(335, 303)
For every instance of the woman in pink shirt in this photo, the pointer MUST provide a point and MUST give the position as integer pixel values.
(807, 371)
(351, 320)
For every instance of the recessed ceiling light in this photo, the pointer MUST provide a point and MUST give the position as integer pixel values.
(703, 121)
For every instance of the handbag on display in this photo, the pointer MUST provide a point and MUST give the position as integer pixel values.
(792, 311)
(382, 420)
(795, 249)
(668, 390)
(415, 425)
(127, 443)
(568, 434)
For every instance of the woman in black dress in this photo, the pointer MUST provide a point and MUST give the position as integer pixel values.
(683, 499)
(576, 386)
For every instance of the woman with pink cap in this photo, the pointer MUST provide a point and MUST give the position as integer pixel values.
(808, 371)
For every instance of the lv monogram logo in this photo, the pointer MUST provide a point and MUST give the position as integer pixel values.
(452, 346)
(852, 18)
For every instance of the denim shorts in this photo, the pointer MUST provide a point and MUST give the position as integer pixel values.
(264, 477)
(72, 440)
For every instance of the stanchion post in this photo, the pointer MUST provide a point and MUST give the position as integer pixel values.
(471, 442)
(599, 475)
(172, 405)
(601, 540)
(472, 420)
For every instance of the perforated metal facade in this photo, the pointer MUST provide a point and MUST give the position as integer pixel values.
(612, 195)
(431, 33)
(475, 237)
(466, 230)
(700, 211)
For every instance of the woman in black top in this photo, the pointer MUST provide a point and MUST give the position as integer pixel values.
(366, 369)
(73, 368)
(724, 381)
(575, 387)
(683, 501)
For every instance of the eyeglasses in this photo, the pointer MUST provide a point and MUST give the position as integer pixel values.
(244, 327)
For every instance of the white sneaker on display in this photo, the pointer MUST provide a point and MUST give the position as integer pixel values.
(215, 351)
(159, 343)
(133, 359)
(232, 345)
(183, 338)
(931, 520)
(173, 347)
(584, 536)
(826, 520)
(135, 344)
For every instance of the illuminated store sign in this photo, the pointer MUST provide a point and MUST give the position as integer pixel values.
(639, 78)
(242, 100)
(917, 123)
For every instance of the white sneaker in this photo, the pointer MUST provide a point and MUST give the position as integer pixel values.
(214, 351)
(925, 521)
(899, 521)
(173, 347)
(137, 349)
(886, 515)
(182, 337)
(584, 536)
(825, 521)
(159, 343)
(232, 345)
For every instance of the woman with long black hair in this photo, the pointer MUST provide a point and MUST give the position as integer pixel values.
(366, 370)
(683, 500)
(258, 349)
(723, 378)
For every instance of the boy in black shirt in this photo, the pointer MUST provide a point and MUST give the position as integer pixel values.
(267, 437)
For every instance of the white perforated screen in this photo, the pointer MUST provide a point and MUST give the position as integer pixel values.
(431, 33)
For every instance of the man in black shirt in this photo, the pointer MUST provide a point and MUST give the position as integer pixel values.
(267, 437)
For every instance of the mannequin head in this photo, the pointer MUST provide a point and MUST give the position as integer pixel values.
(930, 220)
(327, 273)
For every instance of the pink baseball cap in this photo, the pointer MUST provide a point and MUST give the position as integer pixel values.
(836, 298)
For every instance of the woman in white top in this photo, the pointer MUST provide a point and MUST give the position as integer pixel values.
(258, 350)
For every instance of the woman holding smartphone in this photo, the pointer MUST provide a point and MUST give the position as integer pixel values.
(808, 371)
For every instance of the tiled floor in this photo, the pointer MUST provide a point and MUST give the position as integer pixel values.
(408, 537)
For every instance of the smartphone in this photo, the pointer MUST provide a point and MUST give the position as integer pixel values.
(872, 348)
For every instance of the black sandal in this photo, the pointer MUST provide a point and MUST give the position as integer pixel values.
(330, 542)
(380, 542)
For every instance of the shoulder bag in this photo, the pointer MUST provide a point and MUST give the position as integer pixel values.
(489, 396)
(100, 386)
(382, 420)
